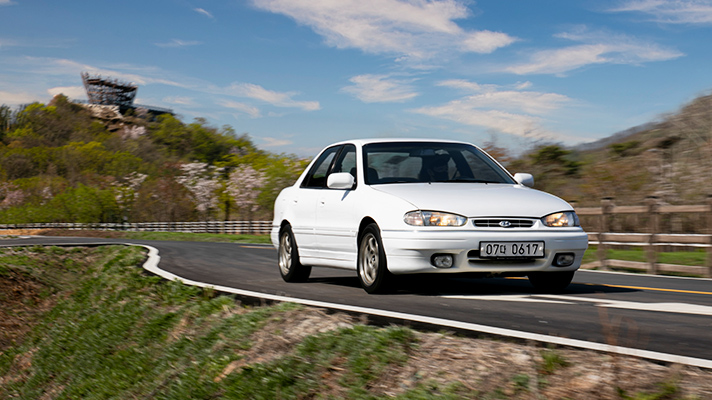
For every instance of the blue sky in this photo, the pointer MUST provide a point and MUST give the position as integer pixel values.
(297, 75)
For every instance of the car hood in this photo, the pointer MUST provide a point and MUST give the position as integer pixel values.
(477, 199)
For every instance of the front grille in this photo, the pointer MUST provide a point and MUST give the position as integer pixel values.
(503, 223)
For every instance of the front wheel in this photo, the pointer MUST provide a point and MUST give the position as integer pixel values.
(551, 282)
(289, 266)
(372, 266)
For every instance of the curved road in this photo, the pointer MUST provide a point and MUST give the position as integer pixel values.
(653, 314)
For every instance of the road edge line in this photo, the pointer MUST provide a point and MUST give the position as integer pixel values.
(151, 265)
(153, 259)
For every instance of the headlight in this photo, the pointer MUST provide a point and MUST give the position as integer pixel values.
(561, 219)
(434, 218)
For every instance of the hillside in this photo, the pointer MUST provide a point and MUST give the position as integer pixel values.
(670, 159)
(62, 163)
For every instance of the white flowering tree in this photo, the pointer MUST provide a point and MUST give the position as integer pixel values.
(244, 185)
(10, 195)
(202, 182)
(126, 191)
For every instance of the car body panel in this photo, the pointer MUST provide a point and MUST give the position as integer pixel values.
(477, 199)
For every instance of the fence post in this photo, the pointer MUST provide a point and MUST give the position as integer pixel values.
(708, 229)
(651, 251)
(602, 253)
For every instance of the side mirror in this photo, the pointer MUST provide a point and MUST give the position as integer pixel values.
(524, 179)
(340, 180)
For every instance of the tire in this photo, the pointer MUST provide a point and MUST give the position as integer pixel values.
(289, 266)
(372, 266)
(551, 282)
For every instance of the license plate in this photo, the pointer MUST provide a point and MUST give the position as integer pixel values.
(511, 249)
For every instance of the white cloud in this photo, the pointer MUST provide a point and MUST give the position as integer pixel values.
(6, 2)
(146, 76)
(73, 92)
(380, 89)
(250, 110)
(486, 41)
(671, 12)
(513, 112)
(273, 142)
(204, 12)
(180, 100)
(408, 29)
(597, 48)
(179, 43)
(7, 42)
(17, 98)
(278, 99)
(465, 85)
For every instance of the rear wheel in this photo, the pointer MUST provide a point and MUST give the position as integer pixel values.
(372, 266)
(289, 266)
(551, 282)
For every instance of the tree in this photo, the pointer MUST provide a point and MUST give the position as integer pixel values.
(201, 180)
(244, 185)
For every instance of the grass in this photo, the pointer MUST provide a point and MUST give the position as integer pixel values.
(113, 331)
(102, 328)
(198, 237)
(692, 258)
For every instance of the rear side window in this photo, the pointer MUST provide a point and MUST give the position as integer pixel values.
(316, 178)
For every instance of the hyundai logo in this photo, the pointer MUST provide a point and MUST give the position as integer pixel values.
(505, 224)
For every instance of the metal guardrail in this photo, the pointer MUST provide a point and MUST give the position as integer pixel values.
(227, 227)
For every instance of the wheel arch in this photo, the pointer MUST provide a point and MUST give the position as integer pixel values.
(284, 224)
(366, 221)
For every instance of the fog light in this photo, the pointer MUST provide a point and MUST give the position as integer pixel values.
(442, 260)
(564, 260)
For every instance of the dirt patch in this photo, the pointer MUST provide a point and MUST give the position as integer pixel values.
(9, 233)
(21, 303)
(509, 370)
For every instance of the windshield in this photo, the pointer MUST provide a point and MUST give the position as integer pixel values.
(401, 162)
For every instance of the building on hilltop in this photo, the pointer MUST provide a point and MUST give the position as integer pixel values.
(109, 92)
(111, 98)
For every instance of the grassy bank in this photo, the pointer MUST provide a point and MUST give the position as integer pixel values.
(90, 323)
(693, 258)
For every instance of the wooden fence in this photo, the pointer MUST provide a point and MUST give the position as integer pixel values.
(660, 224)
(229, 227)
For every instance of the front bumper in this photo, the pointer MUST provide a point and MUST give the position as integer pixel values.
(412, 251)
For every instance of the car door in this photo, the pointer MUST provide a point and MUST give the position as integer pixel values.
(304, 205)
(336, 228)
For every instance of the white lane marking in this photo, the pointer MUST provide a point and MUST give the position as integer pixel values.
(515, 297)
(679, 308)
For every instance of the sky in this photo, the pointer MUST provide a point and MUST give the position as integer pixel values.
(297, 75)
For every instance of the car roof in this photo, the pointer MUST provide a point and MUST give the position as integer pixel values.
(362, 142)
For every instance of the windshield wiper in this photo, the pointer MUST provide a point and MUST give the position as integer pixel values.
(473, 180)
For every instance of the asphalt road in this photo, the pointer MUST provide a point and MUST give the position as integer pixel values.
(659, 314)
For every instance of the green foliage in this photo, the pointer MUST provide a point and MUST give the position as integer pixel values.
(362, 353)
(60, 150)
(555, 158)
(551, 361)
(667, 390)
(625, 148)
(123, 334)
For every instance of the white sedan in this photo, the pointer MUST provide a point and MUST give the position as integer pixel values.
(385, 207)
